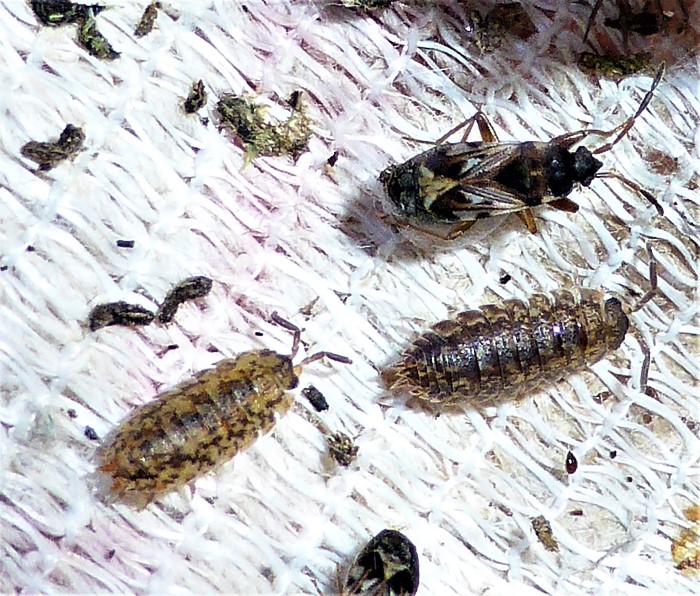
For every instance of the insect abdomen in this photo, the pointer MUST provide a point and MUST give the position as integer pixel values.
(502, 352)
(194, 427)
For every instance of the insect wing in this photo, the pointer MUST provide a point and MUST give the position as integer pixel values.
(462, 186)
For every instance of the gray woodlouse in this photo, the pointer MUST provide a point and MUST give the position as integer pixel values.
(503, 352)
(201, 423)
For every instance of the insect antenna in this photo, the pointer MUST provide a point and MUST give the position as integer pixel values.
(624, 128)
(653, 283)
(296, 339)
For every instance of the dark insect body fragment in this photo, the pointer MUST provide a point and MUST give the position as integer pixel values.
(196, 99)
(189, 289)
(200, 424)
(148, 20)
(315, 397)
(571, 463)
(460, 183)
(503, 352)
(543, 531)
(49, 154)
(386, 566)
(119, 313)
(342, 449)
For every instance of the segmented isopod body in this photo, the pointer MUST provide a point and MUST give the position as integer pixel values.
(200, 424)
(503, 352)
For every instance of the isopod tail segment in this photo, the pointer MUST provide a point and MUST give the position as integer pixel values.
(296, 341)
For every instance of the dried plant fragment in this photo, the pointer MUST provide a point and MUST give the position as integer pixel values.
(56, 13)
(247, 121)
(189, 289)
(543, 531)
(615, 66)
(119, 313)
(49, 154)
(196, 99)
(148, 19)
(92, 41)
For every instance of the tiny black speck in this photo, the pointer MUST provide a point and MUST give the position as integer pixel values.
(91, 434)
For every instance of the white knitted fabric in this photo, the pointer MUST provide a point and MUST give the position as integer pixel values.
(275, 235)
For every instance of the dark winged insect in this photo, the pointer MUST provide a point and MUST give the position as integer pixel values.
(196, 99)
(460, 183)
(201, 423)
(119, 313)
(189, 289)
(386, 566)
(49, 154)
(503, 352)
(148, 19)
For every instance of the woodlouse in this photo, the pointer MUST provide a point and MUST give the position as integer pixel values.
(201, 423)
(503, 352)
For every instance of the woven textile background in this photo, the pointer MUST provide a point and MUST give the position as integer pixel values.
(277, 234)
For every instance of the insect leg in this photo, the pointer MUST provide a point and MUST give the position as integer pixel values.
(591, 18)
(634, 186)
(570, 139)
(486, 130)
(527, 217)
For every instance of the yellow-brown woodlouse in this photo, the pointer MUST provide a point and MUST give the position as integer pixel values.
(503, 352)
(201, 423)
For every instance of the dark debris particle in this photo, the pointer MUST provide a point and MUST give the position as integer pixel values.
(91, 434)
(196, 99)
(259, 334)
(543, 530)
(126, 243)
(342, 449)
(109, 555)
(119, 313)
(94, 43)
(315, 397)
(30, 248)
(505, 278)
(56, 13)
(189, 289)
(613, 454)
(72, 414)
(571, 463)
(148, 19)
(333, 159)
(387, 565)
(576, 512)
(49, 153)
